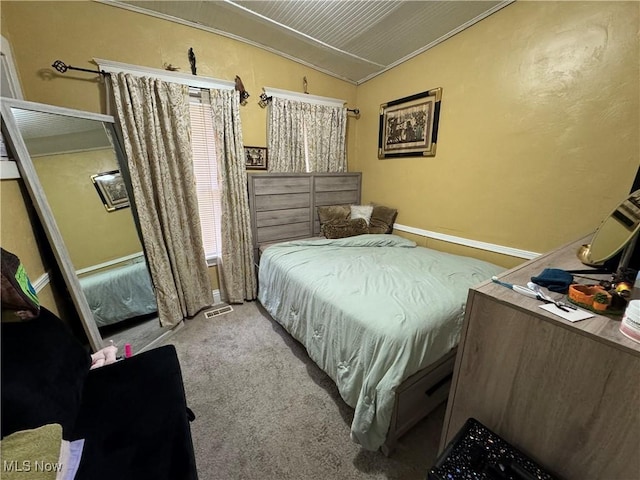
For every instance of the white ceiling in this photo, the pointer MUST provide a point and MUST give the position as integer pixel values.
(46, 133)
(354, 40)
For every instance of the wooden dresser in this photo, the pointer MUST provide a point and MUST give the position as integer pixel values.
(566, 394)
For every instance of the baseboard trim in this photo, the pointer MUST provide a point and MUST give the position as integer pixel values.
(8, 170)
(216, 297)
(109, 263)
(491, 247)
(41, 282)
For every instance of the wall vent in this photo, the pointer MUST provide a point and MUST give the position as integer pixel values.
(218, 311)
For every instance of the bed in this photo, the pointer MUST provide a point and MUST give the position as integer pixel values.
(119, 293)
(380, 315)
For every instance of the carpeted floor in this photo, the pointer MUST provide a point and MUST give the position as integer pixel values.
(265, 411)
(141, 333)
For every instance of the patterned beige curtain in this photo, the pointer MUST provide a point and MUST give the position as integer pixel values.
(236, 267)
(155, 123)
(326, 129)
(286, 136)
(306, 137)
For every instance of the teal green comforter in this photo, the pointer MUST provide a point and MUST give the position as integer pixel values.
(371, 311)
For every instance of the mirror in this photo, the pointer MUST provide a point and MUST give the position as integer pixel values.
(69, 161)
(617, 231)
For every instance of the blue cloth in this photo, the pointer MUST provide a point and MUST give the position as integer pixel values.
(555, 279)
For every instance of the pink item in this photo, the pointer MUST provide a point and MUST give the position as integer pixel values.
(127, 350)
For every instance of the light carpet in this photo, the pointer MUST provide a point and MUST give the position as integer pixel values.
(264, 410)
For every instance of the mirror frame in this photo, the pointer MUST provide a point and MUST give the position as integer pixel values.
(14, 139)
(626, 244)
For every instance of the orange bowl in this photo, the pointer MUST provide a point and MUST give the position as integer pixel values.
(584, 293)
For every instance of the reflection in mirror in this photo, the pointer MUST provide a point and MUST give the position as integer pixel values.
(102, 242)
(615, 232)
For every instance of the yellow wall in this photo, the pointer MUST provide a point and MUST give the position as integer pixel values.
(539, 130)
(19, 237)
(77, 32)
(91, 234)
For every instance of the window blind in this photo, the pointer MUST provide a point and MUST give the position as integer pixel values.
(205, 168)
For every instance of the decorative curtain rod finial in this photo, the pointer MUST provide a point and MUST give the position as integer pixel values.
(244, 95)
(264, 99)
(192, 61)
(62, 67)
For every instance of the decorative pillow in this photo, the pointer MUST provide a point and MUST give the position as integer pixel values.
(26, 449)
(361, 211)
(18, 295)
(382, 219)
(333, 213)
(346, 228)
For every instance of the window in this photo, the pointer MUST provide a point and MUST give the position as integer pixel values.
(203, 143)
(205, 167)
(311, 127)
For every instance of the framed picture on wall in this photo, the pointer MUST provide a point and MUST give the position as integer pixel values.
(409, 126)
(255, 158)
(111, 189)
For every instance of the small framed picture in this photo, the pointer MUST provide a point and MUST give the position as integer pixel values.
(111, 189)
(409, 126)
(255, 158)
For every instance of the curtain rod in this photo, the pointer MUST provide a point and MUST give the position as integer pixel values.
(266, 99)
(60, 66)
(167, 75)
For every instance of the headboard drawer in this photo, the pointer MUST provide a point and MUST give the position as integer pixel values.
(335, 198)
(269, 218)
(283, 205)
(283, 232)
(266, 203)
(267, 185)
(333, 183)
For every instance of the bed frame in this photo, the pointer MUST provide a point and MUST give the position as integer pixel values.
(283, 207)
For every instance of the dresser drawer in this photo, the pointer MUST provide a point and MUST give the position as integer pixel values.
(423, 392)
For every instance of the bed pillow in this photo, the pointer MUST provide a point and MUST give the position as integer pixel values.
(361, 211)
(382, 219)
(346, 228)
(19, 298)
(333, 213)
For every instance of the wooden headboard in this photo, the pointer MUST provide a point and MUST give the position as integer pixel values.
(283, 205)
